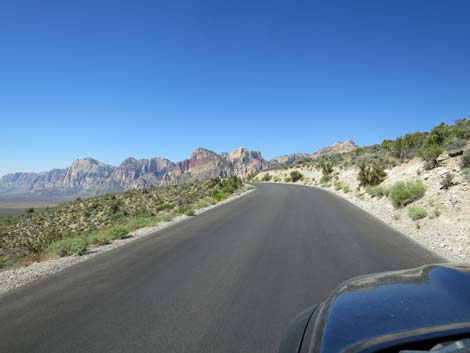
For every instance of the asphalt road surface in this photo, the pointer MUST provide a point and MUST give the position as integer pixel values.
(229, 280)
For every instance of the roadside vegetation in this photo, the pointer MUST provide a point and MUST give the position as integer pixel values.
(72, 228)
(418, 183)
(371, 163)
(403, 193)
(373, 160)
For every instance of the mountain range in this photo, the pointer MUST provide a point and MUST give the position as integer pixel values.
(88, 176)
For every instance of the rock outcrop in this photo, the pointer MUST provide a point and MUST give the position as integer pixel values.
(88, 176)
(288, 159)
(139, 173)
(338, 147)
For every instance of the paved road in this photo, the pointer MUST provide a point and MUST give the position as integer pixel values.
(228, 280)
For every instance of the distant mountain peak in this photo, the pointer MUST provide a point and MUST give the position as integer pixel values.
(88, 176)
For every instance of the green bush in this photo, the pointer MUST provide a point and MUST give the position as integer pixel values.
(117, 232)
(287, 179)
(416, 213)
(325, 180)
(190, 212)
(327, 168)
(220, 195)
(277, 179)
(403, 193)
(266, 177)
(370, 174)
(139, 222)
(167, 218)
(99, 239)
(377, 191)
(230, 185)
(429, 154)
(346, 188)
(68, 247)
(455, 144)
(296, 176)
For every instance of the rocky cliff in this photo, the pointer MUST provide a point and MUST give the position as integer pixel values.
(288, 159)
(88, 176)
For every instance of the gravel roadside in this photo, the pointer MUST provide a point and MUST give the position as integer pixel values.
(17, 277)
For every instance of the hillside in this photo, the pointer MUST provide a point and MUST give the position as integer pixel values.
(418, 183)
(101, 219)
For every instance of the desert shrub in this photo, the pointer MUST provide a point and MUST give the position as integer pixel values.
(30, 210)
(163, 207)
(277, 179)
(439, 135)
(251, 176)
(288, 179)
(429, 154)
(370, 174)
(99, 239)
(68, 247)
(296, 176)
(167, 218)
(455, 144)
(139, 222)
(220, 195)
(327, 168)
(230, 185)
(190, 212)
(117, 232)
(434, 213)
(213, 182)
(202, 204)
(416, 213)
(338, 185)
(346, 188)
(182, 210)
(377, 191)
(325, 180)
(466, 174)
(403, 193)
(448, 181)
(466, 159)
(266, 177)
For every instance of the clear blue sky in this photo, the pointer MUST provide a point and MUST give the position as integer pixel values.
(112, 79)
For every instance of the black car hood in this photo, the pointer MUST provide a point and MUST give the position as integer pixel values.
(378, 307)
